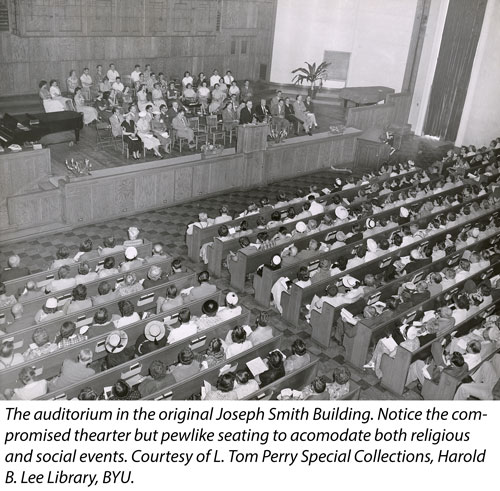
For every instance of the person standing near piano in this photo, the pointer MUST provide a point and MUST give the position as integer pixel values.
(89, 113)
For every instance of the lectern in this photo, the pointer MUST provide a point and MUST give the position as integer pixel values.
(252, 137)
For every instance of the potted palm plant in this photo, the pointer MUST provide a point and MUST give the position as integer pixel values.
(313, 74)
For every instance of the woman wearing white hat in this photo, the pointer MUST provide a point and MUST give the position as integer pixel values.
(144, 133)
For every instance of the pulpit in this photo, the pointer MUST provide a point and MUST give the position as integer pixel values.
(252, 137)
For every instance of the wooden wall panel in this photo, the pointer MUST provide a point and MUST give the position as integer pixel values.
(145, 191)
(183, 183)
(32, 210)
(176, 35)
(165, 187)
(104, 203)
(201, 179)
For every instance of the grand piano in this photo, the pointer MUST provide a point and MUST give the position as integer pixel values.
(29, 127)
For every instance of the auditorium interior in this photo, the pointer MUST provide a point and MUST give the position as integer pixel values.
(249, 200)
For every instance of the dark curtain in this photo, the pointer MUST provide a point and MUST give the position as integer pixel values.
(456, 56)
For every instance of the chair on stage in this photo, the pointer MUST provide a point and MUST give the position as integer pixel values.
(214, 131)
(104, 137)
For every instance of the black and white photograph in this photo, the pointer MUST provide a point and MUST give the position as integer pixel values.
(249, 200)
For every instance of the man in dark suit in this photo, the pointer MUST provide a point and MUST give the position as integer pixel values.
(262, 112)
(14, 270)
(290, 115)
(246, 113)
(172, 112)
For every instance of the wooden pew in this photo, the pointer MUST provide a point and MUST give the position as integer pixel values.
(201, 236)
(185, 389)
(134, 370)
(262, 284)
(445, 389)
(294, 380)
(292, 300)
(32, 307)
(13, 286)
(395, 370)
(49, 366)
(323, 322)
(143, 301)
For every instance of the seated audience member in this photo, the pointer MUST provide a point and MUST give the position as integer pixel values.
(159, 378)
(7, 356)
(182, 129)
(121, 391)
(232, 309)
(131, 260)
(64, 281)
(14, 269)
(237, 342)
(85, 274)
(129, 135)
(31, 388)
(244, 384)
(185, 328)
(87, 394)
(41, 345)
(117, 350)
(153, 278)
(128, 314)
(171, 301)
(485, 382)
(151, 339)
(187, 366)
(74, 371)
(158, 254)
(130, 285)
(246, 92)
(160, 131)
(50, 104)
(340, 385)
(215, 353)
(263, 331)
(203, 289)
(115, 120)
(48, 311)
(209, 317)
(279, 119)
(6, 300)
(299, 358)
(109, 246)
(101, 323)
(79, 300)
(106, 294)
(225, 389)
(149, 141)
(275, 371)
(68, 336)
(62, 258)
(30, 292)
(316, 391)
(108, 268)
(85, 251)
(309, 105)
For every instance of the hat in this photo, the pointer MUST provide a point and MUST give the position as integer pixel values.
(341, 212)
(409, 286)
(156, 112)
(411, 333)
(51, 303)
(371, 245)
(338, 181)
(232, 298)
(154, 273)
(143, 114)
(340, 236)
(301, 227)
(130, 252)
(349, 282)
(404, 212)
(130, 279)
(154, 331)
(415, 254)
(475, 232)
(370, 223)
(276, 260)
(133, 232)
(116, 341)
(494, 334)
(210, 307)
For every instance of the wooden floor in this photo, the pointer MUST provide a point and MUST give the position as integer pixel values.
(328, 109)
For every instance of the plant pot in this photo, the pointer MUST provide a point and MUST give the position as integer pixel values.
(312, 92)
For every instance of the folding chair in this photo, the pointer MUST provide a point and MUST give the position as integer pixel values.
(104, 137)
(178, 139)
(213, 130)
